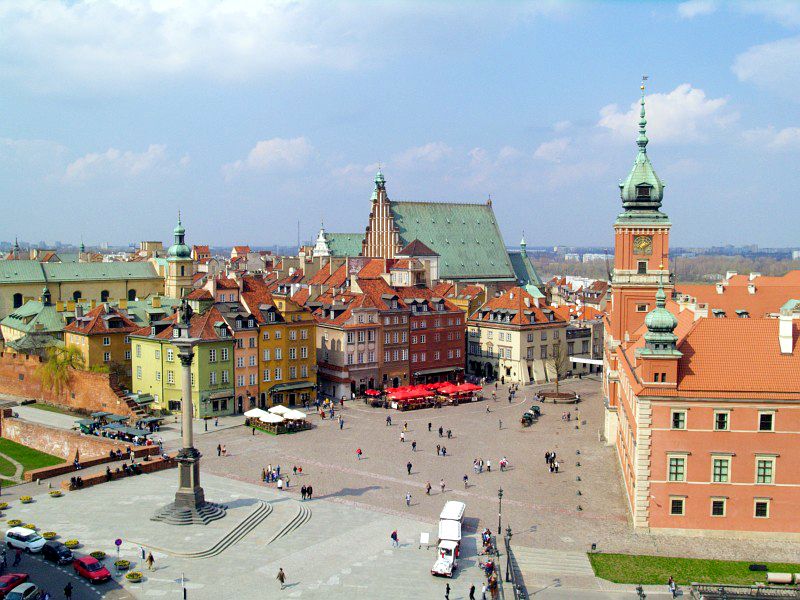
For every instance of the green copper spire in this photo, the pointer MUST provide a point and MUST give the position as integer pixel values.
(179, 250)
(660, 337)
(380, 181)
(642, 191)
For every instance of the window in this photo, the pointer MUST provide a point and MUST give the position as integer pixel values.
(350, 358)
(239, 380)
(212, 355)
(720, 470)
(212, 378)
(555, 335)
(158, 354)
(278, 374)
(292, 372)
(292, 353)
(765, 469)
(266, 335)
(252, 361)
(127, 354)
(405, 355)
(278, 334)
(138, 372)
(303, 352)
(414, 357)
(171, 377)
(240, 343)
(278, 354)
(641, 267)
(678, 419)
(170, 355)
(766, 421)
(677, 468)
(293, 335)
(106, 341)
(251, 342)
(225, 376)
(718, 507)
(240, 362)
(761, 508)
(422, 357)
(266, 354)
(361, 358)
(643, 192)
(250, 322)
(192, 380)
(266, 374)
(224, 354)
(721, 420)
(106, 356)
(371, 335)
(395, 355)
(386, 356)
(677, 506)
(304, 371)
(422, 339)
(458, 352)
(138, 351)
(641, 308)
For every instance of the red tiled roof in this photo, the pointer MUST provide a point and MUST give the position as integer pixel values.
(514, 299)
(201, 249)
(200, 294)
(427, 294)
(374, 268)
(417, 248)
(223, 283)
(241, 249)
(769, 295)
(301, 297)
(201, 326)
(325, 277)
(94, 323)
(255, 292)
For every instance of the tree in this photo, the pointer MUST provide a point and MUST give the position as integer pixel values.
(557, 363)
(56, 372)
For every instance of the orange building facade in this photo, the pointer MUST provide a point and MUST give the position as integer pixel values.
(704, 412)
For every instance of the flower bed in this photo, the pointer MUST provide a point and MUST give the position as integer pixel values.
(3, 505)
(72, 544)
(122, 564)
(98, 554)
(49, 535)
(55, 494)
(25, 499)
(31, 526)
(134, 576)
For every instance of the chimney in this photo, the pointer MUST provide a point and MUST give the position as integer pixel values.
(93, 303)
(527, 302)
(59, 306)
(754, 275)
(123, 303)
(720, 288)
(751, 288)
(511, 295)
(156, 302)
(78, 310)
(70, 305)
(785, 333)
(730, 274)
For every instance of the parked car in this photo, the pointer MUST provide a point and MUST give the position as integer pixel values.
(57, 552)
(25, 591)
(24, 539)
(10, 581)
(91, 569)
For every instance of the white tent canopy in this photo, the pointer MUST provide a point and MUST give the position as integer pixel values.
(255, 412)
(294, 415)
(279, 410)
(270, 418)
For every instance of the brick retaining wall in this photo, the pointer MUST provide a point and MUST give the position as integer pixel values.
(69, 467)
(159, 464)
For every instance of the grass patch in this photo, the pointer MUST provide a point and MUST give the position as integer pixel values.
(656, 570)
(55, 409)
(6, 468)
(28, 457)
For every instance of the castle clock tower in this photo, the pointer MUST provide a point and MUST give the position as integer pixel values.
(641, 262)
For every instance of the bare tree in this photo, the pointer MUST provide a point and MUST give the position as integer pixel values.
(558, 361)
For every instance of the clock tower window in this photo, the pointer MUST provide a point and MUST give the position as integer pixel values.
(641, 267)
(643, 191)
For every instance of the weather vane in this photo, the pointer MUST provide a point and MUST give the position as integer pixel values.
(644, 80)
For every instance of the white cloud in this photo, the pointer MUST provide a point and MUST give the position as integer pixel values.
(117, 162)
(274, 154)
(553, 150)
(684, 114)
(429, 153)
(773, 65)
(786, 13)
(774, 139)
(696, 8)
(560, 126)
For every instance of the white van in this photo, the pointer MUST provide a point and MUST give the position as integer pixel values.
(24, 539)
(449, 539)
(453, 511)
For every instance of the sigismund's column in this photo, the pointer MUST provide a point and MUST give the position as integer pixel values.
(190, 506)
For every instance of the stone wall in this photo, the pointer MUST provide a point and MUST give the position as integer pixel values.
(88, 391)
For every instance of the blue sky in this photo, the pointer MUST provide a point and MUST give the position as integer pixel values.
(249, 116)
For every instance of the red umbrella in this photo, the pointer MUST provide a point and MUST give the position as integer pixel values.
(372, 393)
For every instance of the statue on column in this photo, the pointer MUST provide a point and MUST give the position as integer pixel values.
(185, 312)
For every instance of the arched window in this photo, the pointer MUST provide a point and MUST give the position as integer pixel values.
(104, 296)
(183, 270)
(76, 295)
(131, 295)
(17, 300)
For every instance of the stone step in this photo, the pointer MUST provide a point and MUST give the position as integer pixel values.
(533, 561)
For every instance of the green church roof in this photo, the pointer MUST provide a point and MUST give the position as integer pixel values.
(33, 316)
(524, 269)
(465, 236)
(31, 271)
(344, 244)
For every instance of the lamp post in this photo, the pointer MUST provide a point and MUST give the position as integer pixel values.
(508, 553)
(500, 511)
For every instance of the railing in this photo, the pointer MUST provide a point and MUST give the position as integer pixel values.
(513, 575)
(709, 591)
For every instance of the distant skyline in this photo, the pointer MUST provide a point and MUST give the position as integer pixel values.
(248, 116)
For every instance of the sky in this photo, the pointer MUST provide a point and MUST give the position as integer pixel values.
(251, 116)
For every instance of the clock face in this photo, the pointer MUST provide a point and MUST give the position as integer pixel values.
(643, 244)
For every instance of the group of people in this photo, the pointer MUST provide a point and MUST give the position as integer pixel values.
(222, 450)
(306, 492)
(566, 416)
(552, 463)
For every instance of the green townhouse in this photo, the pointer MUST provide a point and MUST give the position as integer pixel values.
(156, 367)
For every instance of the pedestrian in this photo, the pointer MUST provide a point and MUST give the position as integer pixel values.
(281, 576)
(555, 465)
(46, 596)
(414, 446)
(341, 423)
(17, 557)
(428, 488)
(429, 426)
(472, 592)
(408, 467)
(216, 421)
(447, 592)
(219, 450)
(150, 561)
(395, 542)
(441, 485)
(303, 493)
(509, 397)
(388, 420)
(673, 589)
(444, 451)
(500, 423)
(483, 592)
(254, 430)
(438, 449)
(224, 450)
(68, 590)
(408, 498)
(441, 431)
(358, 453)
(466, 481)
(489, 466)
(402, 436)
(309, 492)
(4, 558)
(495, 385)
(294, 470)
(405, 426)
(449, 434)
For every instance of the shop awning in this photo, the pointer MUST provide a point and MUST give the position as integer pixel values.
(219, 395)
(116, 418)
(439, 370)
(255, 412)
(284, 387)
(279, 410)
(294, 415)
(270, 418)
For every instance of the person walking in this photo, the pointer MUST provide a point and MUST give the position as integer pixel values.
(673, 589)
(444, 451)
(303, 493)
(281, 576)
(414, 446)
(4, 559)
(438, 449)
(489, 466)
(341, 423)
(219, 450)
(408, 498)
(441, 431)
(358, 453)
(449, 434)
(309, 492)
(17, 557)
(68, 590)
(500, 423)
(408, 467)
(441, 485)
(466, 481)
(447, 592)
(429, 426)
(395, 542)
(388, 420)
(483, 592)
(428, 488)
(150, 561)
(405, 426)
(402, 436)
(472, 592)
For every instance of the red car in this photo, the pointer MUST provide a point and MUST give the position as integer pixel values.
(10, 581)
(92, 569)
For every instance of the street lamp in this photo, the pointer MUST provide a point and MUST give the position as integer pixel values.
(500, 511)
(508, 553)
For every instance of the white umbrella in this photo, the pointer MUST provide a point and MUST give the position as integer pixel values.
(270, 418)
(255, 412)
(279, 410)
(294, 415)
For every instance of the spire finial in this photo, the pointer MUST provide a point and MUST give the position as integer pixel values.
(179, 216)
(642, 140)
(661, 297)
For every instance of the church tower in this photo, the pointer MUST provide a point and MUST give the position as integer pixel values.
(382, 239)
(180, 266)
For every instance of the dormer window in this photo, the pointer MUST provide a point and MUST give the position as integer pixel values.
(643, 192)
(175, 332)
(249, 322)
(153, 330)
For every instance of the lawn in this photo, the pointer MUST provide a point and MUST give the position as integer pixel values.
(627, 568)
(28, 457)
(55, 409)
(6, 468)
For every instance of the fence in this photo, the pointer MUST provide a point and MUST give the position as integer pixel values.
(706, 591)
(513, 575)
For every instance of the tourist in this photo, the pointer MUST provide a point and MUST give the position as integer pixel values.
(294, 470)
(402, 436)
(281, 576)
(500, 423)
(487, 409)
(4, 557)
(341, 423)
(555, 466)
(441, 485)
(358, 453)
(388, 420)
(309, 492)
(429, 426)
(68, 590)
(444, 451)
(414, 446)
(408, 467)
(447, 592)
(673, 589)
(441, 431)
(303, 493)
(408, 498)
(427, 493)
(216, 421)
(280, 484)
(224, 450)
(472, 592)
(466, 481)
(438, 449)
(405, 426)
(286, 482)
(17, 557)
(150, 561)
(395, 542)
(219, 450)
(254, 430)
(489, 466)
